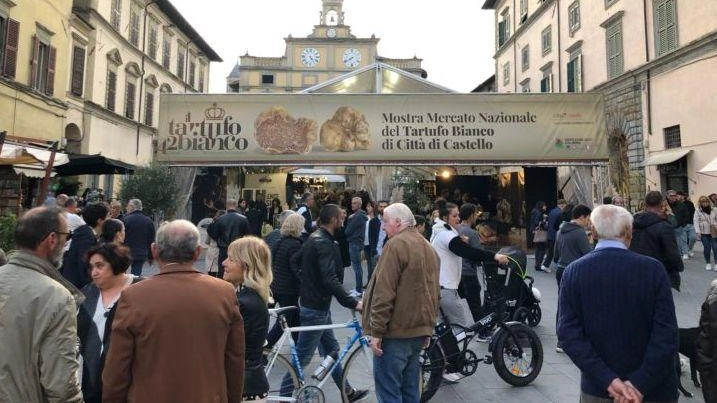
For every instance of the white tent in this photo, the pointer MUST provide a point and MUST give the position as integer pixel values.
(319, 173)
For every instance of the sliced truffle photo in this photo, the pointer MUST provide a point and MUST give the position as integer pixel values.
(347, 130)
(277, 132)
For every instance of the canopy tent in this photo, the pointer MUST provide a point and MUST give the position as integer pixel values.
(709, 168)
(377, 78)
(80, 164)
(37, 158)
(318, 174)
(665, 157)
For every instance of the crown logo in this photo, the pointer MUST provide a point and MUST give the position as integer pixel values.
(214, 113)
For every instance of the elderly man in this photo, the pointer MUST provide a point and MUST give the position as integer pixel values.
(355, 232)
(304, 208)
(139, 235)
(398, 322)
(178, 336)
(37, 310)
(617, 319)
(225, 229)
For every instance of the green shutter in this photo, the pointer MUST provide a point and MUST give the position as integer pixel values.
(571, 75)
(501, 33)
(665, 25)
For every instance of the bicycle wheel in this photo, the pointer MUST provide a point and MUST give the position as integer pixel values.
(433, 363)
(513, 367)
(358, 372)
(275, 376)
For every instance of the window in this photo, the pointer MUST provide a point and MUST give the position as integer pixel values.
(665, 23)
(523, 10)
(672, 137)
(575, 73)
(152, 40)
(180, 61)
(504, 27)
(42, 77)
(609, 3)
(574, 16)
(192, 71)
(525, 58)
(9, 36)
(267, 79)
(134, 25)
(116, 14)
(546, 39)
(166, 50)
(148, 108)
(525, 85)
(111, 87)
(78, 71)
(200, 85)
(131, 91)
(546, 83)
(506, 73)
(613, 37)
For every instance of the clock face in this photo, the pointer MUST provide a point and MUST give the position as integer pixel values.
(331, 33)
(310, 57)
(352, 57)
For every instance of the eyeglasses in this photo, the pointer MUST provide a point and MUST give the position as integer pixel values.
(68, 233)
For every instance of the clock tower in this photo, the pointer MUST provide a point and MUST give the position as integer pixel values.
(329, 51)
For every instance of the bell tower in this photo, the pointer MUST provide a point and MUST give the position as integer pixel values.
(332, 13)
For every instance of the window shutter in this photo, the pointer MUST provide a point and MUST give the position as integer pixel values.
(34, 61)
(111, 89)
(501, 33)
(52, 59)
(149, 109)
(78, 71)
(579, 73)
(571, 76)
(11, 39)
(670, 25)
(129, 105)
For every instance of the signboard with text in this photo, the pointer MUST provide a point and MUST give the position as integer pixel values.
(313, 129)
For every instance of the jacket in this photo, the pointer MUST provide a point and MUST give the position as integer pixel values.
(253, 215)
(356, 227)
(305, 211)
(38, 332)
(408, 268)
(653, 236)
(74, 262)
(320, 263)
(227, 228)
(272, 238)
(470, 267)
(256, 325)
(93, 350)
(176, 337)
(707, 345)
(555, 217)
(571, 244)
(682, 213)
(616, 319)
(374, 227)
(285, 266)
(703, 221)
(139, 236)
(537, 217)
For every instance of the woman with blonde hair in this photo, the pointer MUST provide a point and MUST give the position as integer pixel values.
(705, 221)
(248, 268)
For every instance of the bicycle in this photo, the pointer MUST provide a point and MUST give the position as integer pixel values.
(515, 350)
(358, 366)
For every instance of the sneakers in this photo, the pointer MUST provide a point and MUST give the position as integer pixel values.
(544, 269)
(685, 256)
(692, 254)
(708, 267)
(355, 294)
(559, 349)
(355, 395)
(452, 377)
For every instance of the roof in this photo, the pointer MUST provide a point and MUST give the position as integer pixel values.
(377, 78)
(489, 4)
(184, 26)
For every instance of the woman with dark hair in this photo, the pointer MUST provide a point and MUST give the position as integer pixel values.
(274, 212)
(112, 231)
(370, 240)
(108, 264)
(539, 221)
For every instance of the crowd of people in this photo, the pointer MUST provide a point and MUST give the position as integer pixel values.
(90, 328)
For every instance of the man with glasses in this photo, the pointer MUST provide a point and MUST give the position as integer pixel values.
(39, 344)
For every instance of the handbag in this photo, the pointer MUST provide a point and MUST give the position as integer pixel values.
(540, 235)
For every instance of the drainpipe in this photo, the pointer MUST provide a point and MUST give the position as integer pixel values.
(648, 109)
(141, 77)
(560, 50)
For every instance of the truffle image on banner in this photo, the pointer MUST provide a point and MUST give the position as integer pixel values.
(277, 132)
(347, 130)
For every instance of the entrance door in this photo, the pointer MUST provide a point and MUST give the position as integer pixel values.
(540, 185)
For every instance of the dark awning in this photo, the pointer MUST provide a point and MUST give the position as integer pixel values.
(93, 165)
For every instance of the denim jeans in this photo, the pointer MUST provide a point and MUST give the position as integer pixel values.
(308, 341)
(710, 245)
(397, 371)
(691, 236)
(355, 256)
(681, 236)
(137, 267)
(370, 255)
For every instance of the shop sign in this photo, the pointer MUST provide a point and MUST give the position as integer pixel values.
(311, 129)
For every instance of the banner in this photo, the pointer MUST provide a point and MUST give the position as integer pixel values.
(316, 129)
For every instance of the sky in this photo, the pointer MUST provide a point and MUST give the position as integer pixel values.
(455, 38)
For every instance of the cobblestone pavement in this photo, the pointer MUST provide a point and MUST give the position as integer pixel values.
(559, 379)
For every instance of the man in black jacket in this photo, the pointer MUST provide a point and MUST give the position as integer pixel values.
(653, 236)
(355, 232)
(320, 261)
(226, 229)
(304, 208)
(74, 264)
(139, 235)
(683, 218)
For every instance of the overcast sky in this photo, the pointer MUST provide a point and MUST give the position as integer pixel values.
(455, 38)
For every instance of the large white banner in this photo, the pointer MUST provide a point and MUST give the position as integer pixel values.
(313, 129)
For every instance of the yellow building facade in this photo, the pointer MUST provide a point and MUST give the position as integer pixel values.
(329, 51)
(34, 67)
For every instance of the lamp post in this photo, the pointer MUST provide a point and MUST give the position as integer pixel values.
(141, 82)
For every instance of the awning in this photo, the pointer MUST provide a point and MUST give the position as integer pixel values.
(93, 165)
(709, 168)
(319, 174)
(31, 171)
(24, 154)
(665, 157)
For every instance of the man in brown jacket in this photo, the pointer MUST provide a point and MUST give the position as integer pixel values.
(707, 346)
(401, 306)
(178, 336)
